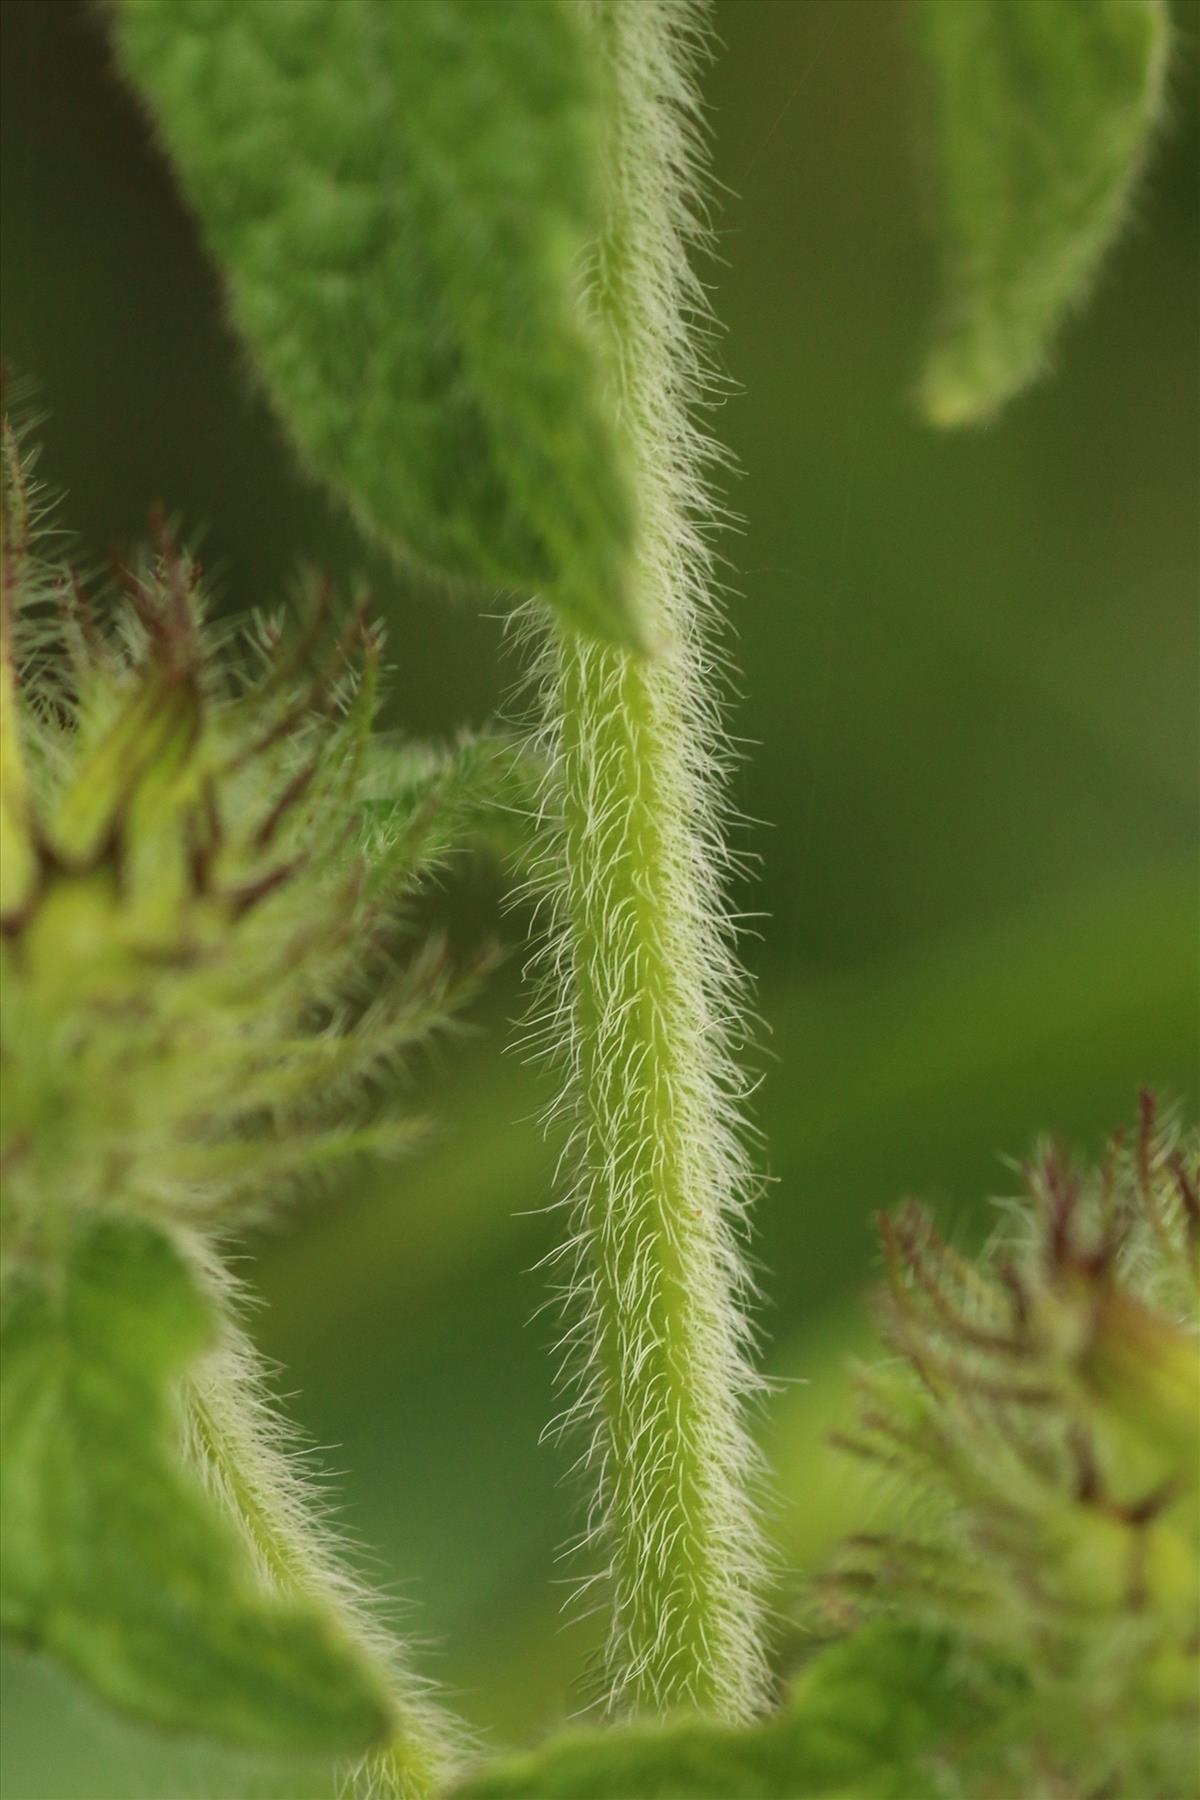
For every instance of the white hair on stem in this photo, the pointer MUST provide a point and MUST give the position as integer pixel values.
(646, 998)
(247, 1456)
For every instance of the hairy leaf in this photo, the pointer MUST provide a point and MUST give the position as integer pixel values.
(1044, 111)
(863, 1718)
(115, 1558)
(401, 197)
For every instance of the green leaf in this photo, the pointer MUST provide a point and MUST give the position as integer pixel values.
(115, 1558)
(863, 1717)
(401, 198)
(1044, 113)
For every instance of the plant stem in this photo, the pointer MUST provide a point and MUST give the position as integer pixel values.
(648, 982)
(235, 1439)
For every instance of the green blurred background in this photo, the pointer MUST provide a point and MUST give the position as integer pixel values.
(967, 699)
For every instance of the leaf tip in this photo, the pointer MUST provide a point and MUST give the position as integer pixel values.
(951, 396)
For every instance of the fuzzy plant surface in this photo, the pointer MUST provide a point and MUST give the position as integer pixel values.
(1042, 1423)
(1044, 111)
(399, 196)
(645, 1003)
(1032, 1624)
(531, 207)
(202, 999)
(459, 241)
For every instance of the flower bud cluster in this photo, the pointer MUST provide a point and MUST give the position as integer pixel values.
(198, 917)
(1040, 1430)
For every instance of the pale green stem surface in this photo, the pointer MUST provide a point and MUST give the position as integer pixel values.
(648, 983)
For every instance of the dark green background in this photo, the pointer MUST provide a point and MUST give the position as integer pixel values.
(967, 699)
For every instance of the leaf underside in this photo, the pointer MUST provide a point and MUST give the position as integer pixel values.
(1044, 110)
(115, 1558)
(401, 198)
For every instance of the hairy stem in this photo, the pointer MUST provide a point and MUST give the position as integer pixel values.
(647, 982)
(236, 1440)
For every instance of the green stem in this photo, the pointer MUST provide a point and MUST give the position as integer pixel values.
(648, 980)
(234, 1440)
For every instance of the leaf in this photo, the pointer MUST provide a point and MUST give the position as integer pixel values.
(115, 1558)
(1044, 112)
(400, 197)
(863, 1717)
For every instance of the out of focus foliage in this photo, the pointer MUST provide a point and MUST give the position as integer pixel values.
(1039, 1435)
(204, 1001)
(1029, 1620)
(117, 1559)
(1044, 111)
(862, 1719)
(967, 672)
